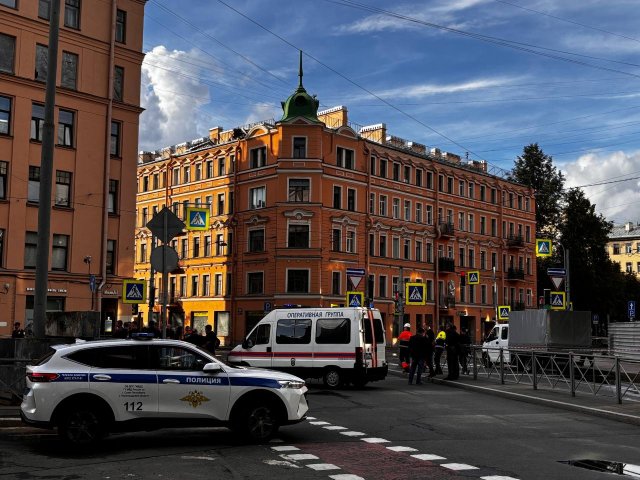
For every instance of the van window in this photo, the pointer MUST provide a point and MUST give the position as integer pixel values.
(291, 330)
(333, 330)
(377, 330)
(493, 335)
(260, 335)
(505, 333)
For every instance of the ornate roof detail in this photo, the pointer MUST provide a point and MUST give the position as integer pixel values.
(298, 214)
(300, 103)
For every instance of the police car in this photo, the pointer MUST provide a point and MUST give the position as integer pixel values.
(92, 388)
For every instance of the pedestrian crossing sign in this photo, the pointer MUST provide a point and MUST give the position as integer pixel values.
(543, 247)
(197, 218)
(415, 293)
(134, 291)
(557, 300)
(355, 299)
(503, 312)
(473, 277)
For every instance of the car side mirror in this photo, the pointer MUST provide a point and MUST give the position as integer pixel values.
(246, 344)
(212, 368)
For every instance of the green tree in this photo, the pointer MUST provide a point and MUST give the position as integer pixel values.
(535, 169)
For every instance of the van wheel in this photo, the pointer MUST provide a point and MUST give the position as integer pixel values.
(82, 427)
(332, 377)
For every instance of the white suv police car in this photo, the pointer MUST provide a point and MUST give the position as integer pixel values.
(89, 389)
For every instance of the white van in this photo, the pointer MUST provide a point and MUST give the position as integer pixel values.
(498, 338)
(339, 345)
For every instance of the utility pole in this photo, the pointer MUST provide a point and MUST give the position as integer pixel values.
(566, 266)
(46, 169)
(401, 300)
(152, 286)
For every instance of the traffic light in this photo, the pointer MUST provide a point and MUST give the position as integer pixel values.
(134, 308)
(463, 279)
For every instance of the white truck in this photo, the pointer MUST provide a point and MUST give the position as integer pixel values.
(544, 330)
(339, 345)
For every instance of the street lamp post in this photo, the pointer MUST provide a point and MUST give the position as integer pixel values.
(87, 260)
(565, 266)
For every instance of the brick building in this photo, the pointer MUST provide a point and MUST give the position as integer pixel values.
(296, 202)
(96, 120)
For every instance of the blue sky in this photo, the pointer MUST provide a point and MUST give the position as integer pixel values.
(480, 76)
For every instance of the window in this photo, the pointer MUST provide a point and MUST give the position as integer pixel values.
(483, 193)
(8, 3)
(299, 189)
(407, 210)
(395, 247)
(418, 177)
(383, 205)
(293, 331)
(37, 121)
(65, 128)
(69, 70)
(111, 257)
(60, 247)
(7, 53)
(256, 240)
(205, 285)
(255, 282)
(186, 174)
(194, 285)
(430, 180)
(494, 196)
(333, 331)
(372, 165)
(382, 289)
(335, 283)
(418, 255)
(30, 249)
(429, 257)
(494, 227)
(198, 168)
(33, 189)
(336, 240)
(156, 181)
(627, 248)
(351, 199)
(116, 129)
(298, 236)
(383, 168)
(112, 203)
(183, 287)
(63, 189)
(345, 158)
(209, 168)
(44, 9)
(299, 147)
(257, 197)
(382, 243)
(221, 204)
(196, 247)
(118, 83)
(396, 172)
(461, 185)
(4, 167)
(337, 196)
(418, 212)
(298, 281)
(471, 190)
(406, 250)
(5, 115)
(220, 244)
(258, 157)
(222, 169)
(450, 185)
(396, 208)
(207, 246)
(429, 216)
(351, 242)
(616, 249)
(407, 174)
(72, 13)
(41, 62)
(629, 267)
(121, 26)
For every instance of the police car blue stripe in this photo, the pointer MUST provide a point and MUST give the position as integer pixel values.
(254, 382)
(126, 377)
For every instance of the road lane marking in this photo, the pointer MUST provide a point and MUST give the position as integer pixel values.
(403, 449)
(319, 423)
(323, 466)
(299, 456)
(353, 434)
(497, 477)
(282, 463)
(458, 466)
(335, 427)
(374, 440)
(427, 456)
(287, 448)
(345, 476)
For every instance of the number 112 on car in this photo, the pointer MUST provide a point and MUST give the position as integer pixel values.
(132, 406)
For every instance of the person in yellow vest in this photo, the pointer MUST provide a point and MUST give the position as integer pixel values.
(441, 340)
(403, 347)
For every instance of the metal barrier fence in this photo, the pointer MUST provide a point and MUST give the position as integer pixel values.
(574, 372)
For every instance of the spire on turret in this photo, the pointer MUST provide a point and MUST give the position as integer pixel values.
(300, 103)
(300, 71)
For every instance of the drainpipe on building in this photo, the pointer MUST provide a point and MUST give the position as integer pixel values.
(107, 163)
(436, 286)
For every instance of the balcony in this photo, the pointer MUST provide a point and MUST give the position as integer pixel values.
(515, 241)
(515, 274)
(446, 229)
(446, 264)
(447, 301)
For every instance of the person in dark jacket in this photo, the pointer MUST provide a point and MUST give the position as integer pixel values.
(418, 350)
(453, 349)
(431, 338)
(211, 341)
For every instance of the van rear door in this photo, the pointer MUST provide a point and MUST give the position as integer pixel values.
(374, 341)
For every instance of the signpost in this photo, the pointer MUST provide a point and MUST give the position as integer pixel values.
(543, 247)
(632, 309)
(415, 293)
(557, 301)
(473, 277)
(197, 218)
(503, 312)
(355, 299)
(133, 291)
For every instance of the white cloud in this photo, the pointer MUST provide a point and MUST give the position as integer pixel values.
(619, 202)
(419, 91)
(171, 100)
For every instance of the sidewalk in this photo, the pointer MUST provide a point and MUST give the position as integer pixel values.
(597, 405)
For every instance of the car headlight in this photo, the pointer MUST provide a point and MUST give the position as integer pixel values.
(291, 383)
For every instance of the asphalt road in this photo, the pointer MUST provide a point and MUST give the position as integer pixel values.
(389, 430)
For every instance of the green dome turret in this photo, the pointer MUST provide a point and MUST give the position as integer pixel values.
(300, 103)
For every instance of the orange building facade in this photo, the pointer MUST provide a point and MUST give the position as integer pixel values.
(96, 124)
(297, 202)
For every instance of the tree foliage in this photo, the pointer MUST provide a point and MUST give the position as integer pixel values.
(535, 169)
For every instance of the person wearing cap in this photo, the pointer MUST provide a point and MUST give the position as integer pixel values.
(403, 344)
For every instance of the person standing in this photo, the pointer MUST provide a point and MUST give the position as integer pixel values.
(211, 341)
(465, 349)
(403, 347)
(17, 331)
(453, 349)
(440, 343)
(431, 338)
(418, 350)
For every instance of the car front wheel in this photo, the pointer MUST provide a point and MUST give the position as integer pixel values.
(82, 427)
(256, 422)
